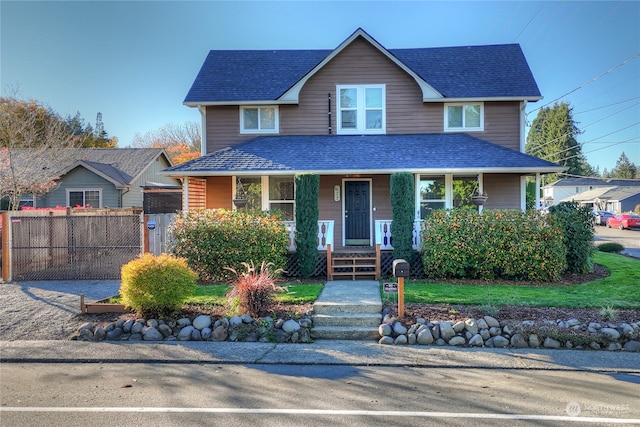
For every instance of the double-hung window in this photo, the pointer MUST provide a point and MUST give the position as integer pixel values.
(85, 198)
(259, 119)
(361, 109)
(464, 117)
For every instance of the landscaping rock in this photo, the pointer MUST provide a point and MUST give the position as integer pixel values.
(610, 333)
(185, 333)
(446, 331)
(633, 346)
(457, 340)
(290, 326)
(384, 330)
(399, 329)
(551, 343)
(476, 341)
(152, 334)
(424, 337)
(491, 322)
(201, 322)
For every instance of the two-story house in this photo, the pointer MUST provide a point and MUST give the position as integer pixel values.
(453, 117)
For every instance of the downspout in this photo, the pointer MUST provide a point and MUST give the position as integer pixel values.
(523, 179)
(329, 111)
(123, 191)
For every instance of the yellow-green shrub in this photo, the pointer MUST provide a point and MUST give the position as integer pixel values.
(156, 285)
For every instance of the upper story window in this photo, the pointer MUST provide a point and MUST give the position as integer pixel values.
(464, 117)
(361, 109)
(258, 119)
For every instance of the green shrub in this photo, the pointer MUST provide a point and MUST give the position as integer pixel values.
(252, 292)
(494, 244)
(211, 240)
(156, 285)
(610, 247)
(307, 188)
(578, 229)
(402, 205)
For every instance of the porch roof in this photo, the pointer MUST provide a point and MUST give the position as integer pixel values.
(372, 154)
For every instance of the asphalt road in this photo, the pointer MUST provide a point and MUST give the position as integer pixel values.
(150, 394)
(630, 239)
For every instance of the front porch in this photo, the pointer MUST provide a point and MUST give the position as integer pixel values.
(362, 262)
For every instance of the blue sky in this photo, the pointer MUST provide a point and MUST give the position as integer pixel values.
(135, 61)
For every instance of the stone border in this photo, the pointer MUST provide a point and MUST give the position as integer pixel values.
(489, 332)
(237, 328)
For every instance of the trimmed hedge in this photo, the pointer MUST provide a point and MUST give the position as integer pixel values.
(307, 189)
(402, 206)
(576, 222)
(495, 244)
(213, 240)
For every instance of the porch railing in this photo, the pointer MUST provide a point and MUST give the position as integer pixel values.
(384, 236)
(325, 234)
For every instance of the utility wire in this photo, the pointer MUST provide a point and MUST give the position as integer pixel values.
(626, 61)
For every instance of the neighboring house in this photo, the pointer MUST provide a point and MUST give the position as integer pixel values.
(617, 199)
(355, 115)
(106, 177)
(566, 188)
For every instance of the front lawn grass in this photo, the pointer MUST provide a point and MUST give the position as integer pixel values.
(619, 290)
(295, 294)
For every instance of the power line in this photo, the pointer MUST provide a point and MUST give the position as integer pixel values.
(530, 20)
(626, 61)
(609, 105)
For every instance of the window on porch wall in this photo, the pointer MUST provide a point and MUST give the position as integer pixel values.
(438, 192)
(279, 191)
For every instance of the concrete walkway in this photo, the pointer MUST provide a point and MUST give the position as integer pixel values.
(358, 292)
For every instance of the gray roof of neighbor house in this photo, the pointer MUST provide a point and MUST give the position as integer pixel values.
(607, 182)
(491, 71)
(370, 153)
(120, 165)
(616, 193)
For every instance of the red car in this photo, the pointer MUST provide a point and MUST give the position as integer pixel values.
(623, 221)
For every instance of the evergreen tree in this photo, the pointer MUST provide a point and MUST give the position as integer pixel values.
(402, 207)
(624, 168)
(307, 190)
(552, 137)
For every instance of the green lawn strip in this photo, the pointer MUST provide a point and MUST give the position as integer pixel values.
(295, 294)
(620, 290)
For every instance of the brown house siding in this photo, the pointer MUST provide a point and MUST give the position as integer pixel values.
(503, 191)
(219, 192)
(361, 63)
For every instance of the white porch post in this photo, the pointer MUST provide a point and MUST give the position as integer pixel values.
(538, 206)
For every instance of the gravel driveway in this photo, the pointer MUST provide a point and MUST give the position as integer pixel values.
(47, 310)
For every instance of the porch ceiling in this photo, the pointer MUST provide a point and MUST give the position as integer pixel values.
(373, 154)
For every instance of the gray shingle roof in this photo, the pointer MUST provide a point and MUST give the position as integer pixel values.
(122, 165)
(354, 153)
(456, 72)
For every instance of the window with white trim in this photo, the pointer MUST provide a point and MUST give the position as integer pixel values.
(464, 117)
(361, 109)
(282, 196)
(259, 119)
(432, 193)
(84, 197)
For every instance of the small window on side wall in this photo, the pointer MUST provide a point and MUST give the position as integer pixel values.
(464, 117)
(259, 120)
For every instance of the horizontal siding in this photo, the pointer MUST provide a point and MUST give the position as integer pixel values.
(197, 191)
(503, 191)
(81, 178)
(361, 63)
(219, 192)
(134, 196)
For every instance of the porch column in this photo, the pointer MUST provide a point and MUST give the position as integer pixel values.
(537, 206)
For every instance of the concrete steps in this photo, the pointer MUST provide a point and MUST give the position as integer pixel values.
(347, 310)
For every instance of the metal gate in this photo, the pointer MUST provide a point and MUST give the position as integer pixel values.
(77, 247)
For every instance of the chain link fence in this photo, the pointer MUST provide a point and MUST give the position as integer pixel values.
(77, 247)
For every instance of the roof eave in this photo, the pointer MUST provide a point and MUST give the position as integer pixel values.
(486, 99)
(516, 170)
